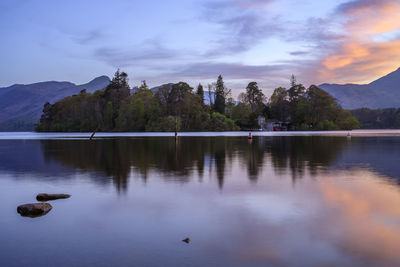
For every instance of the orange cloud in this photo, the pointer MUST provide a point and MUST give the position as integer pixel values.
(374, 17)
(360, 57)
(351, 53)
(361, 62)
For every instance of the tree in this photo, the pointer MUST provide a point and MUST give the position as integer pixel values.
(279, 104)
(388, 118)
(301, 114)
(242, 115)
(166, 124)
(143, 86)
(219, 122)
(116, 92)
(324, 112)
(162, 96)
(220, 96)
(346, 121)
(176, 97)
(77, 113)
(296, 93)
(322, 105)
(114, 109)
(293, 81)
(200, 92)
(138, 110)
(255, 97)
(120, 80)
(211, 97)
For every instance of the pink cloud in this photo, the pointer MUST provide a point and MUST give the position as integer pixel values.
(359, 57)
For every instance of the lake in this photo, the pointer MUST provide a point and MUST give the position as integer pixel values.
(281, 199)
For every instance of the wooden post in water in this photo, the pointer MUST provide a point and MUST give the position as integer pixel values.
(97, 128)
(176, 129)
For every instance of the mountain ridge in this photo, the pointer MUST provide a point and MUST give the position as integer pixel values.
(383, 92)
(21, 104)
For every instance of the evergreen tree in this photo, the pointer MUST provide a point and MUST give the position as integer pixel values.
(200, 92)
(143, 86)
(219, 104)
(293, 81)
(296, 92)
(116, 92)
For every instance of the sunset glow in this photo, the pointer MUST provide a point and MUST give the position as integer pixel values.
(354, 41)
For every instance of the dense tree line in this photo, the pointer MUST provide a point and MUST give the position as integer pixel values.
(388, 118)
(173, 106)
(180, 107)
(309, 109)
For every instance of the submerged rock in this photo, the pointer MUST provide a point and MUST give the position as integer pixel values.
(34, 209)
(46, 197)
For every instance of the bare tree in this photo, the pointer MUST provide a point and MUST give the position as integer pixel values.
(211, 93)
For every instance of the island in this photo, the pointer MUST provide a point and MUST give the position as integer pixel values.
(179, 107)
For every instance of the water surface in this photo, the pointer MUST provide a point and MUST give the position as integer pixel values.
(281, 200)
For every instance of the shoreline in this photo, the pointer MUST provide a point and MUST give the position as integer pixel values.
(100, 135)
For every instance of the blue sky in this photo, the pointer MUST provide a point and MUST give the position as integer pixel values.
(195, 41)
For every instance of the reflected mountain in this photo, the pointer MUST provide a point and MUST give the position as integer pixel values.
(119, 159)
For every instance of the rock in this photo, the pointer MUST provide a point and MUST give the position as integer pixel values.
(186, 240)
(46, 197)
(34, 210)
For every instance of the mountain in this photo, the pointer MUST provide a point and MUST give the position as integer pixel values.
(382, 93)
(21, 105)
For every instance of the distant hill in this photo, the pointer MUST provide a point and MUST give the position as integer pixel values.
(21, 105)
(382, 93)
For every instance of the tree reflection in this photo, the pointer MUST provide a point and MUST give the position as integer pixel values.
(255, 157)
(298, 154)
(178, 161)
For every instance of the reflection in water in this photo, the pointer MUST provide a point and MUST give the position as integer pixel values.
(365, 215)
(116, 157)
(283, 201)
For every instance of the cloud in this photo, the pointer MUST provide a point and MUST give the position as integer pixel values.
(241, 24)
(356, 43)
(241, 4)
(356, 61)
(298, 53)
(124, 58)
(149, 53)
(229, 70)
(371, 16)
(89, 37)
(362, 54)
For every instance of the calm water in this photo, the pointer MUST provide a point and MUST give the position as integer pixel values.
(279, 200)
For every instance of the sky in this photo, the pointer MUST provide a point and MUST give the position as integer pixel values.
(329, 41)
